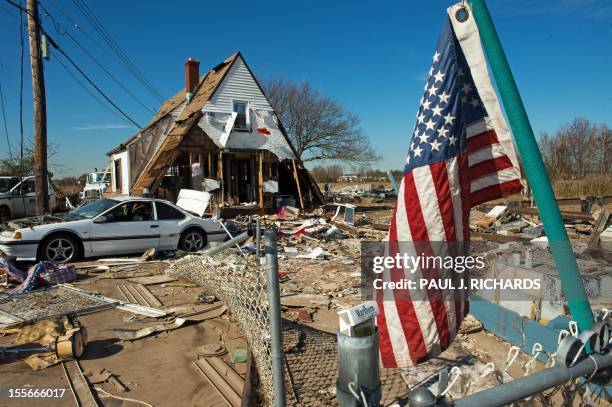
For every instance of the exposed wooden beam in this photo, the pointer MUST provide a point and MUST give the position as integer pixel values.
(297, 183)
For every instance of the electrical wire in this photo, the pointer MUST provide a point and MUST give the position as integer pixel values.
(96, 61)
(8, 139)
(8, 12)
(69, 59)
(91, 82)
(86, 89)
(106, 36)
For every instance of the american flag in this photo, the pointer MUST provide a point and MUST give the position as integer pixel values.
(461, 154)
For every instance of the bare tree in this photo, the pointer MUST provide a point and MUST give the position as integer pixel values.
(577, 149)
(327, 174)
(14, 165)
(319, 128)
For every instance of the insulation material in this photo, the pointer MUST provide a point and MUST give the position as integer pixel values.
(263, 122)
(227, 129)
(275, 142)
(193, 201)
(210, 184)
(270, 186)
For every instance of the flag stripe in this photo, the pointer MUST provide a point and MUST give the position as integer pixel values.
(420, 233)
(496, 191)
(482, 140)
(487, 167)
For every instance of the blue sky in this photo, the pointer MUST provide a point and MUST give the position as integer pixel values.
(371, 57)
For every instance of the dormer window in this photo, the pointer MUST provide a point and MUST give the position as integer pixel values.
(242, 119)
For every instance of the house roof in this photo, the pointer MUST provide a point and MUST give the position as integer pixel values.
(190, 115)
(206, 87)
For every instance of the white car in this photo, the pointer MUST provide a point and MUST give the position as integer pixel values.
(110, 227)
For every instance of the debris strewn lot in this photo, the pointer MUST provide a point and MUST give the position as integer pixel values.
(163, 339)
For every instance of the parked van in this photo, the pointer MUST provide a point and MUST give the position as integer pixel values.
(18, 197)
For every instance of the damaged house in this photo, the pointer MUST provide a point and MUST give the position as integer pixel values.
(220, 135)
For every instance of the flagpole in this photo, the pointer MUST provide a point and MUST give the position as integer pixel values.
(535, 170)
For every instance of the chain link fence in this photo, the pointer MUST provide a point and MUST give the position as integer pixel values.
(241, 284)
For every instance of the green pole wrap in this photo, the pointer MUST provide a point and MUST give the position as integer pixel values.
(533, 166)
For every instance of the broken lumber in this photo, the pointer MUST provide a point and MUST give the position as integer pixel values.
(223, 378)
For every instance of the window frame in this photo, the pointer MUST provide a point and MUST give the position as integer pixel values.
(247, 123)
(159, 204)
(134, 203)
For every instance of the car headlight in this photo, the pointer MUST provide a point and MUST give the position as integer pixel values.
(12, 235)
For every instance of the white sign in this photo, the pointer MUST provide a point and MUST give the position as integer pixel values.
(356, 315)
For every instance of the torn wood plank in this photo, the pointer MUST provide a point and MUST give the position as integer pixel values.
(151, 280)
(600, 226)
(219, 382)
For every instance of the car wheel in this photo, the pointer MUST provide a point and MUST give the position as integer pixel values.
(193, 240)
(5, 214)
(60, 249)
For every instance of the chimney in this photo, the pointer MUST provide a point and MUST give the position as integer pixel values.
(192, 77)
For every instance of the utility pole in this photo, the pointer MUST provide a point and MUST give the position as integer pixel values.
(40, 110)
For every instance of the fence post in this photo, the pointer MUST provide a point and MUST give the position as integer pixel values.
(258, 239)
(571, 280)
(274, 314)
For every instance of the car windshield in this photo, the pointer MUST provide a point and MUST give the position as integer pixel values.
(94, 209)
(96, 177)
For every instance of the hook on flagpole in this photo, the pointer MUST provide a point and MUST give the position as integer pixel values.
(462, 14)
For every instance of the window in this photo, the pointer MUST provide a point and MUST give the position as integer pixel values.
(166, 212)
(241, 123)
(131, 212)
(27, 187)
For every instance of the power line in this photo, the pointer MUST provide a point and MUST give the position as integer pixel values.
(8, 12)
(86, 89)
(8, 139)
(91, 82)
(98, 63)
(106, 36)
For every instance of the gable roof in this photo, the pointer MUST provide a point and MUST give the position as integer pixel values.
(167, 153)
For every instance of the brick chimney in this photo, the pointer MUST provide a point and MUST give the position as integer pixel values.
(192, 77)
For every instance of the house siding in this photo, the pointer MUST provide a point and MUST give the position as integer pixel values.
(239, 84)
(125, 172)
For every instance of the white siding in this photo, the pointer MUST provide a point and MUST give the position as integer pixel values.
(125, 172)
(237, 85)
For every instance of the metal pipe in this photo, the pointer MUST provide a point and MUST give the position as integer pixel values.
(535, 170)
(523, 387)
(229, 234)
(241, 238)
(257, 239)
(393, 181)
(274, 314)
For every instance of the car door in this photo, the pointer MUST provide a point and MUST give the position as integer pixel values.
(28, 193)
(18, 201)
(126, 228)
(170, 221)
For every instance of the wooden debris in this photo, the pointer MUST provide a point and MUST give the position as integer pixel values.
(600, 226)
(223, 378)
(139, 294)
